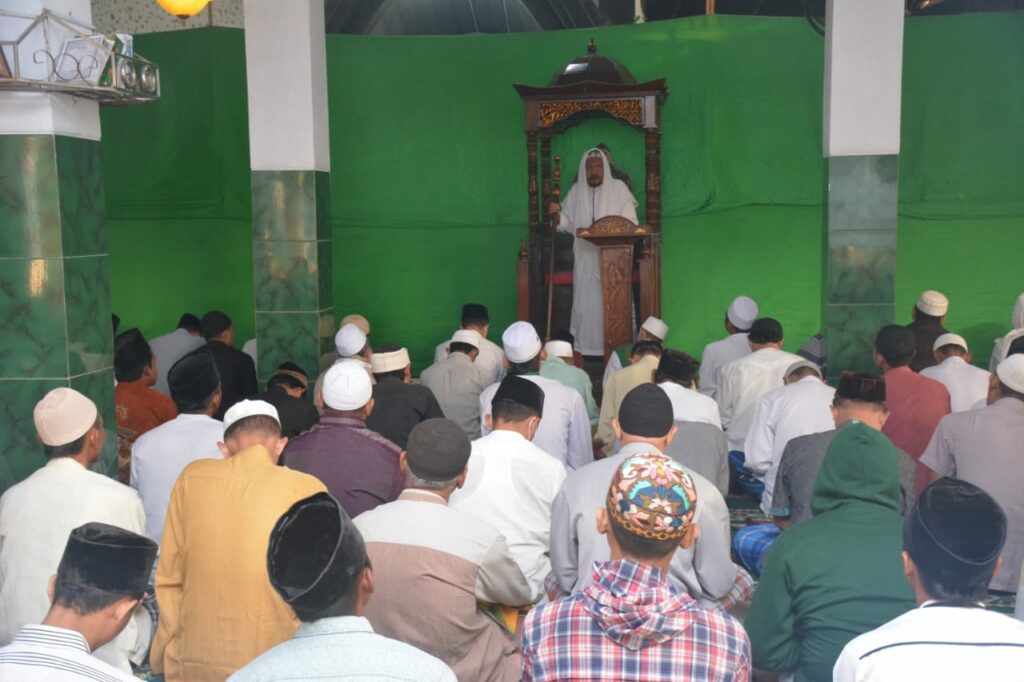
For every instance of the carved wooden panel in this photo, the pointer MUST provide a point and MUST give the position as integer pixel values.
(616, 290)
(531, 175)
(613, 226)
(629, 110)
(523, 283)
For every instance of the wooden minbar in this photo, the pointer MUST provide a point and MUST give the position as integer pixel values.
(615, 238)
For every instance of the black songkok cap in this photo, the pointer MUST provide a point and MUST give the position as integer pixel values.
(765, 330)
(315, 554)
(646, 411)
(131, 355)
(955, 532)
(215, 323)
(475, 311)
(861, 387)
(194, 378)
(106, 558)
(190, 322)
(522, 391)
(437, 450)
(678, 366)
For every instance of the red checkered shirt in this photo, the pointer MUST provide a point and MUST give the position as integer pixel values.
(631, 624)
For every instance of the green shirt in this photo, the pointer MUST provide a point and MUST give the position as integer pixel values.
(558, 369)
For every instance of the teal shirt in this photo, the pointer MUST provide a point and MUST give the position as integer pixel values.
(573, 377)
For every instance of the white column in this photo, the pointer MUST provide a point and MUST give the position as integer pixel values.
(863, 76)
(28, 113)
(286, 69)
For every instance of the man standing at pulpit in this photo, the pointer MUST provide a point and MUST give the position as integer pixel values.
(595, 194)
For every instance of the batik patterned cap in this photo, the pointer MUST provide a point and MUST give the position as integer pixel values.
(652, 496)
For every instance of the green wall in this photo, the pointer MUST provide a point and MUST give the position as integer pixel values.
(428, 173)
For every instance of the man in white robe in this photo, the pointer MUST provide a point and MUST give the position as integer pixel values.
(595, 195)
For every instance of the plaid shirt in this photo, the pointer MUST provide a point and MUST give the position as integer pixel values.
(631, 624)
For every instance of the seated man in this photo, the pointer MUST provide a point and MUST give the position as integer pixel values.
(140, 407)
(838, 574)
(358, 466)
(217, 609)
(457, 381)
(705, 571)
(237, 370)
(801, 407)
(967, 384)
(653, 329)
(38, 514)
(159, 456)
(677, 376)
(564, 431)
(630, 622)
(432, 563)
(399, 404)
(100, 581)
(173, 346)
(929, 314)
(645, 358)
(986, 447)
(351, 345)
(951, 545)
(739, 317)
(511, 482)
(743, 382)
(559, 366)
(327, 583)
(286, 391)
(475, 318)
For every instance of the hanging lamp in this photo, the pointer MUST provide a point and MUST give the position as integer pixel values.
(183, 9)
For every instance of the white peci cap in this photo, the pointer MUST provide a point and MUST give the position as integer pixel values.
(1011, 372)
(389, 361)
(932, 303)
(656, 326)
(801, 364)
(521, 342)
(347, 386)
(948, 340)
(249, 408)
(468, 337)
(349, 340)
(63, 416)
(558, 349)
(742, 312)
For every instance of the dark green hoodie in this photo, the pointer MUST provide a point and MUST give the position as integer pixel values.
(839, 574)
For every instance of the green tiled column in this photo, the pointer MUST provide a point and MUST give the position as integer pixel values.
(54, 288)
(860, 286)
(292, 273)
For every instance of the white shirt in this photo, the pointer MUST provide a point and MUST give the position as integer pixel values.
(689, 405)
(43, 653)
(564, 431)
(717, 355)
(741, 384)
(250, 348)
(490, 359)
(511, 485)
(36, 518)
(168, 349)
(159, 455)
(966, 383)
(938, 644)
(783, 413)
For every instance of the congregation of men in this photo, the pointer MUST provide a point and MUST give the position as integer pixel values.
(503, 518)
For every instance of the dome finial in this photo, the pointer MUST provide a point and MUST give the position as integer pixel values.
(592, 47)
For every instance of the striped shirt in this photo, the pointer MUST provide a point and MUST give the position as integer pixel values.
(43, 653)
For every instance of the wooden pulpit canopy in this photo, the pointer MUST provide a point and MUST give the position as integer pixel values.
(589, 86)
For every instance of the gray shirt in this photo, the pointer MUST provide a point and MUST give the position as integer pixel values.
(798, 470)
(705, 571)
(704, 449)
(170, 348)
(456, 382)
(986, 447)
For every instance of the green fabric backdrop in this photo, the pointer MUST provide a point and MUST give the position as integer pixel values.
(428, 173)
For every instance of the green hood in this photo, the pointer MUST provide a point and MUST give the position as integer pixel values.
(861, 465)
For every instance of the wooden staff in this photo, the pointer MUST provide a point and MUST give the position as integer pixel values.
(556, 195)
